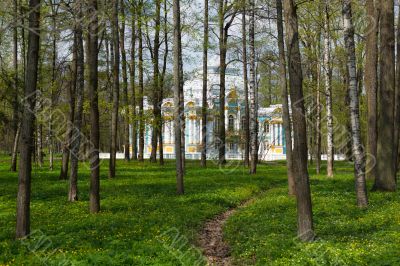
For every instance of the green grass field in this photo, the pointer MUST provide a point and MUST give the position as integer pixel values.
(143, 222)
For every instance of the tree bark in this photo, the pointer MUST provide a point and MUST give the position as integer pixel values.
(303, 193)
(177, 96)
(124, 83)
(133, 86)
(162, 79)
(222, 69)
(397, 106)
(328, 92)
(318, 124)
(358, 152)
(371, 85)
(385, 179)
(15, 122)
(285, 102)
(15, 149)
(76, 130)
(54, 11)
(141, 85)
(71, 100)
(156, 84)
(27, 126)
(253, 101)
(94, 107)
(205, 80)
(246, 91)
(114, 114)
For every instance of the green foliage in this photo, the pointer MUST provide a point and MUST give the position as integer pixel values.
(265, 232)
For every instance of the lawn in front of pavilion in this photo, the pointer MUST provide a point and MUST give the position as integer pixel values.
(143, 222)
(140, 217)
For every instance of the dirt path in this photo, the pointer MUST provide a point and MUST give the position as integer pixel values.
(215, 249)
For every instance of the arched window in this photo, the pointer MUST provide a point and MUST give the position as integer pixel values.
(231, 123)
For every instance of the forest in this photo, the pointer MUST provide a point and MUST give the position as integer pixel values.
(199, 132)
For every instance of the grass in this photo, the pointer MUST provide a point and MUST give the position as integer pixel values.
(264, 233)
(143, 222)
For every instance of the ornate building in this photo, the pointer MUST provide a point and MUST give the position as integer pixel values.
(271, 133)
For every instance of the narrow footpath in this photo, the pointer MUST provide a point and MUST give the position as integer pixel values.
(211, 238)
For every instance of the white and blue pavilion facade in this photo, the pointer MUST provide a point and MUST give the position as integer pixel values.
(271, 133)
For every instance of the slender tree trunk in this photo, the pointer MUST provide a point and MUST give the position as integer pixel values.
(285, 101)
(303, 193)
(358, 153)
(53, 83)
(71, 99)
(156, 83)
(141, 85)
(371, 85)
(318, 124)
(253, 102)
(246, 91)
(164, 69)
(15, 122)
(39, 140)
(94, 107)
(222, 69)
(177, 99)
(15, 148)
(124, 83)
(182, 107)
(133, 87)
(76, 130)
(397, 105)
(328, 92)
(385, 179)
(114, 114)
(27, 126)
(205, 80)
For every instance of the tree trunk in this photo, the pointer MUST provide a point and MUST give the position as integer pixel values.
(27, 126)
(156, 84)
(15, 122)
(177, 99)
(141, 85)
(94, 107)
(328, 92)
(222, 69)
(371, 84)
(253, 103)
(318, 123)
(39, 140)
(164, 69)
(358, 153)
(385, 179)
(397, 106)
(76, 130)
(71, 99)
(246, 91)
(114, 114)
(133, 87)
(285, 102)
(124, 84)
(53, 83)
(205, 80)
(303, 194)
(15, 149)
(182, 107)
